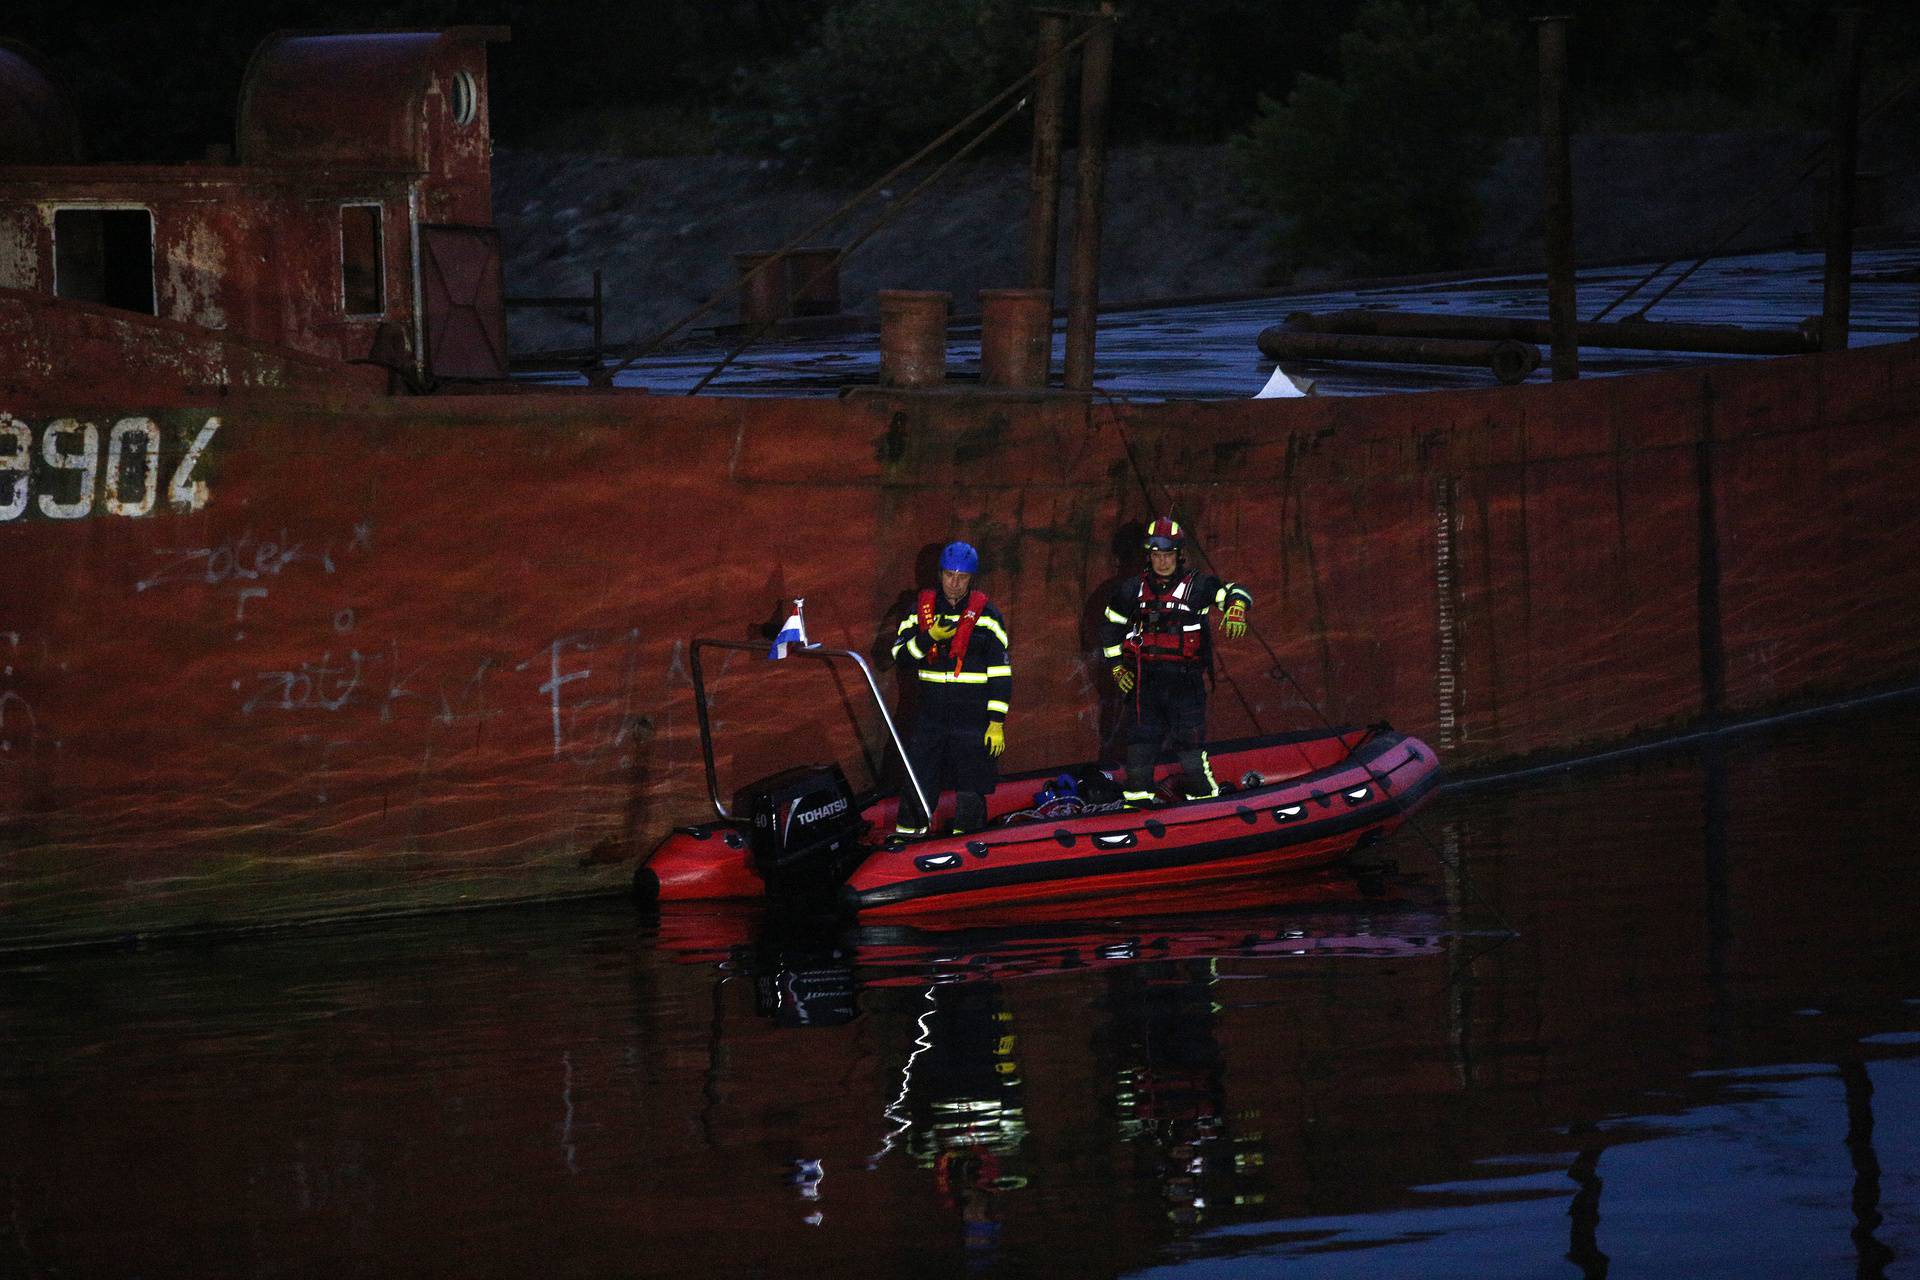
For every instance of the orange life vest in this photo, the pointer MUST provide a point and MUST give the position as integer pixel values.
(956, 648)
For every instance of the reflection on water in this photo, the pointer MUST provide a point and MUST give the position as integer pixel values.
(1697, 1053)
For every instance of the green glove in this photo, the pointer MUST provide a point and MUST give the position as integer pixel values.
(996, 738)
(1123, 677)
(1233, 623)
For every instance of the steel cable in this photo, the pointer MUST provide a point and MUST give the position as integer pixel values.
(1743, 217)
(888, 215)
(605, 376)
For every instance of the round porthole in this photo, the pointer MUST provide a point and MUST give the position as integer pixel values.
(463, 97)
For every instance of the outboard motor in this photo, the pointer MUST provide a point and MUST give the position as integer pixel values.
(805, 830)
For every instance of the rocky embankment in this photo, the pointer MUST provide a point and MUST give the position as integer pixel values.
(664, 231)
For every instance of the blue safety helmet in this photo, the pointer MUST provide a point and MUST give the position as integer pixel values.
(959, 558)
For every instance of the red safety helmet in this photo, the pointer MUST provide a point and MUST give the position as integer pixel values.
(1164, 534)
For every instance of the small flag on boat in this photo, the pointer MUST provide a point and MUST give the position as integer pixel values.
(793, 632)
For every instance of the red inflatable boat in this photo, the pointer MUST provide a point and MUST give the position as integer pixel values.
(1288, 801)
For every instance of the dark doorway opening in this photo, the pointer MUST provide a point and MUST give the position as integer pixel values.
(362, 261)
(104, 256)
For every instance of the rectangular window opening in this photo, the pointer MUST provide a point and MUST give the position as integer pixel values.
(104, 256)
(362, 268)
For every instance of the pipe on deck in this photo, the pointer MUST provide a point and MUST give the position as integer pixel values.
(1511, 361)
(1637, 335)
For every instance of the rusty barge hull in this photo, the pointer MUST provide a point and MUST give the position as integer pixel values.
(374, 653)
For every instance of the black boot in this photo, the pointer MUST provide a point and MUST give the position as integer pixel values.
(910, 821)
(969, 811)
(1138, 789)
(1199, 783)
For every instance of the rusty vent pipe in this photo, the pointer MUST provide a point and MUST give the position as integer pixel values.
(1016, 337)
(913, 337)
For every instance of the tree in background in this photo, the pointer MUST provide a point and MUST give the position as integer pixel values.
(862, 83)
(1193, 70)
(161, 81)
(574, 75)
(878, 79)
(1375, 171)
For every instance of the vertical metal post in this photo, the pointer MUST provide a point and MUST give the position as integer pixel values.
(1842, 155)
(1083, 275)
(1562, 315)
(599, 320)
(1043, 177)
(1707, 610)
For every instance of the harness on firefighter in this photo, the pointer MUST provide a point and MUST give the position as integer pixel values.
(956, 648)
(1166, 626)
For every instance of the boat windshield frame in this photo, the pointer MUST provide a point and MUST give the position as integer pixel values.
(820, 652)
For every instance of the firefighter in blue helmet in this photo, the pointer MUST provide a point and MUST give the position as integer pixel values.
(1155, 635)
(955, 643)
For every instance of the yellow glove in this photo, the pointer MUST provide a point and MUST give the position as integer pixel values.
(1123, 677)
(1233, 623)
(942, 630)
(996, 738)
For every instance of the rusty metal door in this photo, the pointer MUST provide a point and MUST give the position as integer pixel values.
(466, 323)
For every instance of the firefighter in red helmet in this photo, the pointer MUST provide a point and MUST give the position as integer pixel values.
(1155, 635)
(955, 642)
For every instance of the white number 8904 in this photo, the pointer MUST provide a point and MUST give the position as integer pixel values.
(127, 485)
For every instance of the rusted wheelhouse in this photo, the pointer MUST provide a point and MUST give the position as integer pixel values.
(353, 222)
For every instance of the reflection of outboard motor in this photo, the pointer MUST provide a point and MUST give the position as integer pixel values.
(805, 829)
(802, 973)
(805, 990)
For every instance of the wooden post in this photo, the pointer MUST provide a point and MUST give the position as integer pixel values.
(1043, 177)
(1083, 279)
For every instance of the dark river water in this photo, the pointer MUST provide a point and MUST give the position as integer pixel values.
(1658, 1016)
